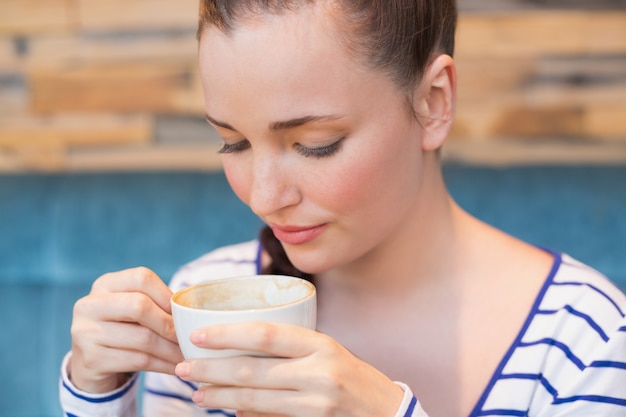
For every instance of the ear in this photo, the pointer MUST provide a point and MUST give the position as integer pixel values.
(435, 101)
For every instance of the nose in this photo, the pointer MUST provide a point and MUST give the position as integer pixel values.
(273, 186)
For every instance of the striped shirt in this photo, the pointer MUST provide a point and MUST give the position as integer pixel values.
(569, 358)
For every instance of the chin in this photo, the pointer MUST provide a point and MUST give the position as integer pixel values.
(309, 261)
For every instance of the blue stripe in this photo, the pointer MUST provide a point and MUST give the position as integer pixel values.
(534, 377)
(503, 413)
(187, 400)
(608, 364)
(168, 395)
(596, 289)
(259, 258)
(518, 339)
(189, 384)
(411, 409)
(583, 316)
(103, 399)
(562, 346)
(622, 329)
(554, 393)
(222, 412)
(591, 398)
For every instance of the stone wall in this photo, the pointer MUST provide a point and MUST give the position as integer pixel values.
(90, 85)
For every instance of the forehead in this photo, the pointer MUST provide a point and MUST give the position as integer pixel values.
(303, 32)
(294, 55)
(283, 67)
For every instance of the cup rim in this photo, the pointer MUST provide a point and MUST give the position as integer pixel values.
(173, 302)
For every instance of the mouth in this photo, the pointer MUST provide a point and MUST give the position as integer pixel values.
(297, 235)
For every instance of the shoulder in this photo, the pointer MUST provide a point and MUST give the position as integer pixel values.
(579, 286)
(588, 334)
(573, 344)
(228, 261)
(588, 311)
(579, 300)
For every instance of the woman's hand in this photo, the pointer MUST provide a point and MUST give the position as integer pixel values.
(124, 325)
(308, 374)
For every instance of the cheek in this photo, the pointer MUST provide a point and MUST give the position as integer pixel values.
(238, 179)
(352, 186)
(375, 181)
(355, 186)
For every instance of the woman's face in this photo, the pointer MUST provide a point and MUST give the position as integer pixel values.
(323, 151)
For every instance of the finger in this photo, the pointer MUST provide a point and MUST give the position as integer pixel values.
(139, 279)
(242, 371)
(130, 307)
(263, 402)
(133, 337)
(273, 339)
(105, 361)
(253, 414)
(95, 343)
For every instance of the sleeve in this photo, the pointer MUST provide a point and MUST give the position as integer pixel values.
(410, 406)
(76, 403)
(168, 395)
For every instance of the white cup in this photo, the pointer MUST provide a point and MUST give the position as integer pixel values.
(258, 298)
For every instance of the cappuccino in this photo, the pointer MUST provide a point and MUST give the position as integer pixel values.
(268, 298)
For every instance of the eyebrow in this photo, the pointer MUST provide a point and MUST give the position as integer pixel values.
(301, 121)
(218, 123)
(282, 125)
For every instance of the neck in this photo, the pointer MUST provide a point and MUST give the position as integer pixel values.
(417, 255)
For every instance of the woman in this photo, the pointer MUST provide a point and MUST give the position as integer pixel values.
(332, 114)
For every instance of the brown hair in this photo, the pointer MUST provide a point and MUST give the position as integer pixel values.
(398, 37)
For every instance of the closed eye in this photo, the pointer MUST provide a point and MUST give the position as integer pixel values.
(321, 152)
(234, 147)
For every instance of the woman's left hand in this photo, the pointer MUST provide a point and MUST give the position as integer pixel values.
(307, 374)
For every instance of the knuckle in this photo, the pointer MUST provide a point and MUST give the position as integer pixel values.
(80, 306)
(244, 374)
(141, 361)
(266, 335)
(87, 359)
(329, 346)
(324, 382)
(101, 282)
(138, 305)
(76, 330)
(84, 332)
(142, 276)
(144, 338)
(329, 399)
(90, 363)
(168, 328)
(245, 398)
(330, 409)
(330, 380)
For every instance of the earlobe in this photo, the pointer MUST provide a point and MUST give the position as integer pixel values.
(437, 102)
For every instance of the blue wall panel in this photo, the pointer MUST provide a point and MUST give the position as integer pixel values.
(60, 232)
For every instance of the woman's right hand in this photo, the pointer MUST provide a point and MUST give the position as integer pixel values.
(123, 325)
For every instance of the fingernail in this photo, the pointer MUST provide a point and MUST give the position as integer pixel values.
(183, 369)
(197, 337)
(198, 396)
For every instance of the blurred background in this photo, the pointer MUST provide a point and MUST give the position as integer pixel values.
(106, 161)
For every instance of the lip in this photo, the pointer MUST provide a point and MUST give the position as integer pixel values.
(297, 235)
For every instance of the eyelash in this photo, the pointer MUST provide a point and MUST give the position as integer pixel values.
(235, 147)
(318, 153)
